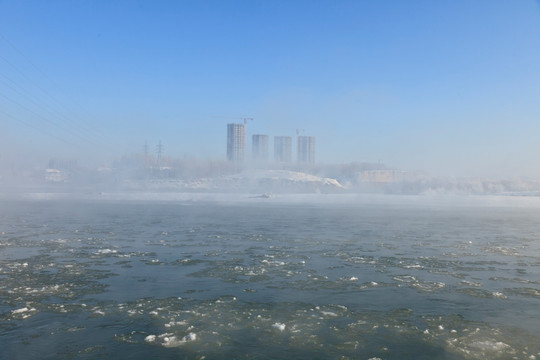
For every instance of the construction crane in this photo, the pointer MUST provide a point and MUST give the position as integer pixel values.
(245, 119)
(298, 131)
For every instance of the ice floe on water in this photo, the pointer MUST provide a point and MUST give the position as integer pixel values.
(170, 340)
(279, 326)
(24, 312)
(253, 283)
(106, 251)
(215, 325)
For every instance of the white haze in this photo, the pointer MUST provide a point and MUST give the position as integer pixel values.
(374, 136)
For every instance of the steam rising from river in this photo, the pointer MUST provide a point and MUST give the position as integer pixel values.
(388, 278)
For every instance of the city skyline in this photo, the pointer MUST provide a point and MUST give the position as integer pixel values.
(446, 87)
(236, 146)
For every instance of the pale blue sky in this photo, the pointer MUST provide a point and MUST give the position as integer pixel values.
(450, 87)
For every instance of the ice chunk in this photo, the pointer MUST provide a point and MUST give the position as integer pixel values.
(173, 341)
(21, 310)
(106, 251)
(279, 326)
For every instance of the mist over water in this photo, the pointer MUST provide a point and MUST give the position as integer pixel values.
(269, 180)
(292, 276)
(449, 90)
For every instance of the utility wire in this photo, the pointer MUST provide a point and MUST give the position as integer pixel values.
(35, 113)
(46, 76)
(30, 80)
(83, 136)
(83, 123)
(30, 125)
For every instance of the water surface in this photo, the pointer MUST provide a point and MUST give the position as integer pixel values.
(261, 279)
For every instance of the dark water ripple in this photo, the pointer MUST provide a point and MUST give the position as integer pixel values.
(90, 280)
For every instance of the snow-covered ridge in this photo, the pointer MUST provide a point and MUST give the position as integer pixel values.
(282, 178)
(260, 181)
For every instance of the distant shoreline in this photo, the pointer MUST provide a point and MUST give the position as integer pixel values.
(347, 199)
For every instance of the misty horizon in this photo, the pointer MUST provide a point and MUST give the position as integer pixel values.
(446, 88)
(351, 179)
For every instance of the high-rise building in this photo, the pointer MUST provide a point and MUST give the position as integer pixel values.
(63, 164)
(306, 149)
(260, 147)
(283, 148)
(236, 142)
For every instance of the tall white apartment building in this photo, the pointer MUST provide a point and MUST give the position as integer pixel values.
(306, 149)
(259, 144)
(236, 142)
(283, 148)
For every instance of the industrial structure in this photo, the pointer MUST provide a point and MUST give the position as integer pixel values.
(306, 149)
(236, 141)
(283, 148)
(259, 144)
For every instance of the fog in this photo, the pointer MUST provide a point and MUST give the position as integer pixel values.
(404, 99)
(352, 179)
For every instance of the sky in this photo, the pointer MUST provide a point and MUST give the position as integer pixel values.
(447, 87)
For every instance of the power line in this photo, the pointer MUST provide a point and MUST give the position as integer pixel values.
(29, 98)
(30, 80)
(35, 113)
(83, 123)
(38, 128)
(159, 150)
